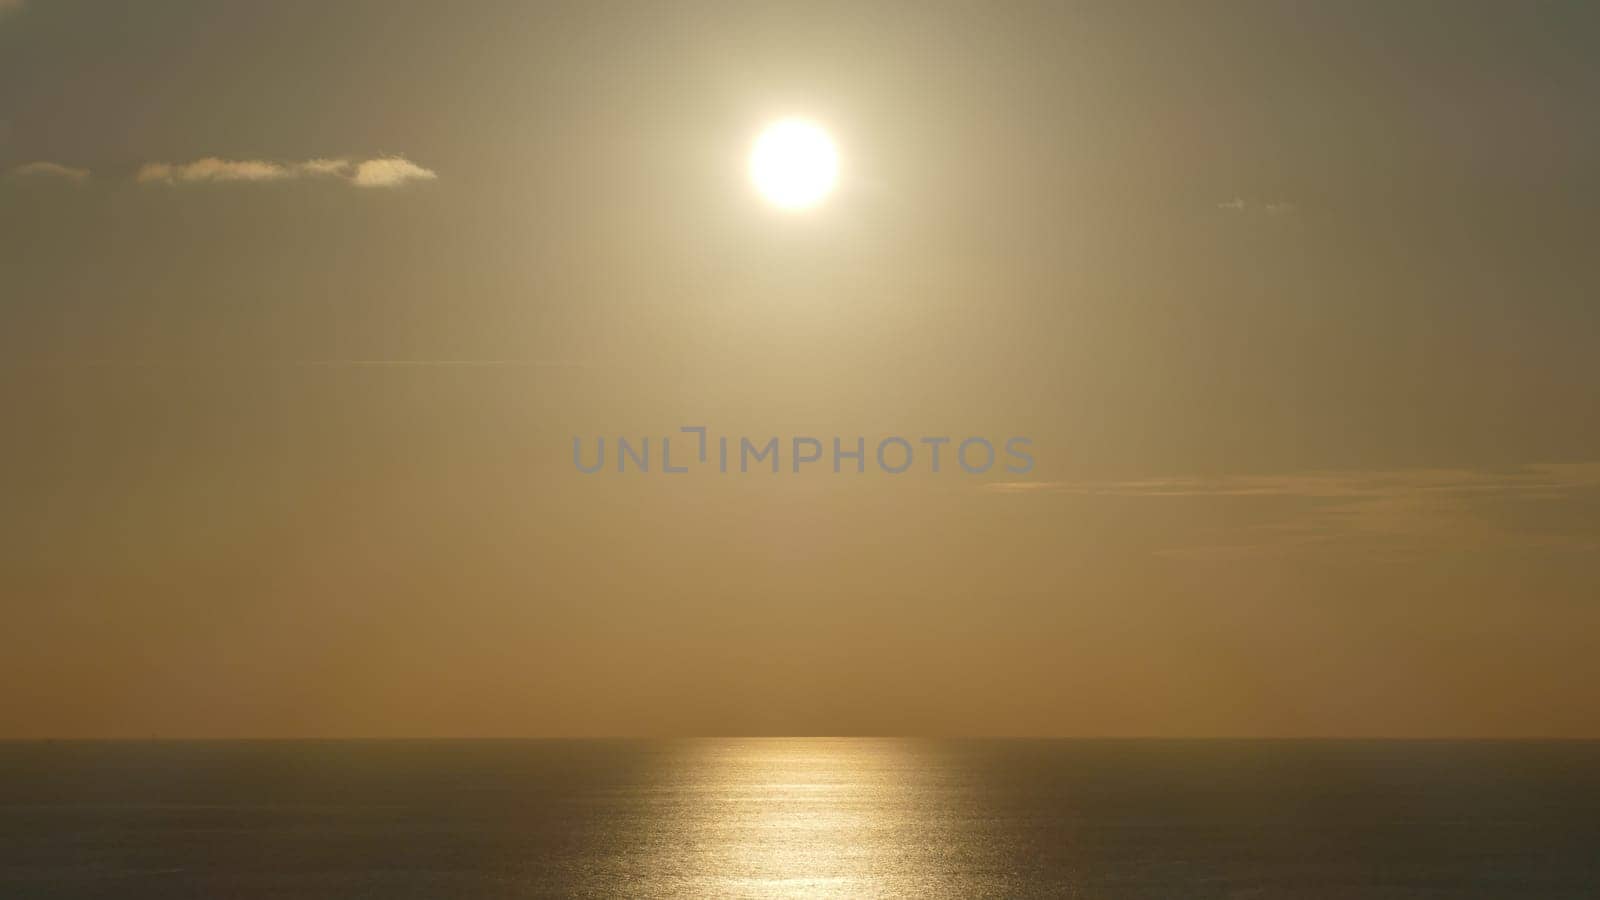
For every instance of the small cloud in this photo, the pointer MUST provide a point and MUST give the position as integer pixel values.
(49, 169)
(386, 171)
(1237, 204)
(390, 171)
(213, 169)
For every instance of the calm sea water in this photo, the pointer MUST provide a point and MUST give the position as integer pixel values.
(800, 818)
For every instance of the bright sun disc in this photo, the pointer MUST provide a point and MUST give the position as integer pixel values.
(794, 164)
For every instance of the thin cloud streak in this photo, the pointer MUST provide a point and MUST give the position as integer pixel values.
(1539, 476)
(1398, 514)
(389, 171)
(213, 169)
(45, 170)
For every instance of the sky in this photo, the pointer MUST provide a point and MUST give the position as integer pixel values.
(302, 306)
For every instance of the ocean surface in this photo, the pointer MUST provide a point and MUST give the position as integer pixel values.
(799, 818)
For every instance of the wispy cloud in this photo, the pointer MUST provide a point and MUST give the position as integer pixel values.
(213, 169)
(1394, 513)
(390, 171)
(382, 172)
(49, 170)
(1540, 477)
(338, 167)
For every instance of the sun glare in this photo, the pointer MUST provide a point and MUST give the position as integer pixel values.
(794, 164)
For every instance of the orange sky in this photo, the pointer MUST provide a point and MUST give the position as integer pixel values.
(302, 307)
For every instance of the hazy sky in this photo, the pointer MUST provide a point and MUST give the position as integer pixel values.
(1298, 303)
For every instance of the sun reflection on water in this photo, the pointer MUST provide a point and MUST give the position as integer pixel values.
(799, 818)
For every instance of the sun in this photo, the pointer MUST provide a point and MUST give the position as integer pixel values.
(794, 164)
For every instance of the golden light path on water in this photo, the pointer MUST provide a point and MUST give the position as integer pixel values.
(808, 818)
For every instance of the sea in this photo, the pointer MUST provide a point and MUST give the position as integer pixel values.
(802, 818)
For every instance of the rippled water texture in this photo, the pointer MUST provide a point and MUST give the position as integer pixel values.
(800, 818)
